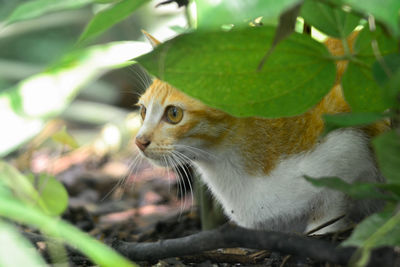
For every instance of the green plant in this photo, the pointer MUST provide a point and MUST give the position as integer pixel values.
(222, 51)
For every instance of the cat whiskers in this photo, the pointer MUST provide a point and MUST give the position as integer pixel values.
(167, 168)
(182, 160)
(182, 189)
(141, 77)
(121, 182)
(195, 151)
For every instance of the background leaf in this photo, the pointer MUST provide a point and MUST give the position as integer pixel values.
(108, 17)
(20, 186)
(50, 189)
(329, 20)
(36, 8)
(394, 188)
(384, 70)
(380, 229)
(212, 14)
(65, 138)
(387, 149)
(386, 11)
(220, 69)
(359, 87)
(336, 121)
(356, 190)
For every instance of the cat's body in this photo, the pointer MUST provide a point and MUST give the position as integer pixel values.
(255, 166)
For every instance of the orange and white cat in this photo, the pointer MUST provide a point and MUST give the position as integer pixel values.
(255, 166)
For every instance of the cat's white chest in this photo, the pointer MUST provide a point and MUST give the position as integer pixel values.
(283, 199)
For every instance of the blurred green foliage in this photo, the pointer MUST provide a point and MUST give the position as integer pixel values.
(41, 61)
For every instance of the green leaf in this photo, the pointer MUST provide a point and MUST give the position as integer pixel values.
(98, 252)
(16, 250)
(387, 149)
(286, 26)
(386, 11)
(385, 68)
(213, 14)
(44, 192)
(63, 137)
(336, 121)
(332, 21)
(52, 192)
(386, 72)
(394, 188)
(220, 69)
(381, 229)
(20, 186)
(36, 8)
(106, 1)
(357, 190)
(359, 87)
(107, 18)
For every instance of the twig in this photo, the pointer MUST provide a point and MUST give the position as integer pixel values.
(229, 237)
(285, 260)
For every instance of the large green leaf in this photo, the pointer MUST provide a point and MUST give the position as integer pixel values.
(105, 19)
(359, 86)
(220, 69)
(386, 11)
(36, 8)
(286, 26)
(356, 190)
(387, 148)
(213, 14)
(381, 229)
(332, 21)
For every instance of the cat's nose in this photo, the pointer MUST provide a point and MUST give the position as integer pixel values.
(142, 143)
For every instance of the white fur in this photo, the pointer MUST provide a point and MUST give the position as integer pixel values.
(284, 200)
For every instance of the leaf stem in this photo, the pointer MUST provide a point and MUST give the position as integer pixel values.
(351, 58)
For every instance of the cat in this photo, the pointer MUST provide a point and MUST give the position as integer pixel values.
(254, 166)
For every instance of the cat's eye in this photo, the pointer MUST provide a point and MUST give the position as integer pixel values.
(142, 111)
(173, 114)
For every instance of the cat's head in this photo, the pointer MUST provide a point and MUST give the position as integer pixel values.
(177, 128)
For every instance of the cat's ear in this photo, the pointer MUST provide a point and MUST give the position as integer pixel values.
(153, 41)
